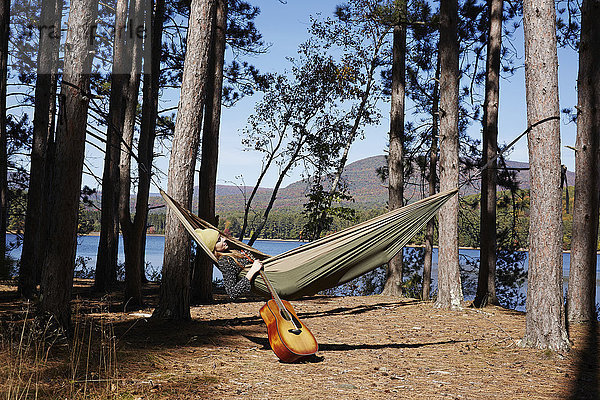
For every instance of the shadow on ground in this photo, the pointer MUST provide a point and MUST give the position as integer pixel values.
(326, 347)
(585, 384)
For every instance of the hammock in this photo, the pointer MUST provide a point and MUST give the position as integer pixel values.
(331, 260)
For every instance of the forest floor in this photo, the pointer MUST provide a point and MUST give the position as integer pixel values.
(373, 347)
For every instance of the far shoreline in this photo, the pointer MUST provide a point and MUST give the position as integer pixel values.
(306, 241)
(246, 238)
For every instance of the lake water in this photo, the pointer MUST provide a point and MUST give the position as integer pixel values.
(87, 247)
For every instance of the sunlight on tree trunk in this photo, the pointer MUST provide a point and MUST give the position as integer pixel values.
(545, 321)
(449, 285)
(203, 268)
(175, 285)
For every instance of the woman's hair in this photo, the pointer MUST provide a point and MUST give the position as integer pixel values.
(235, 256)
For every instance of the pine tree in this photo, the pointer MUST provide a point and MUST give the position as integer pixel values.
(175, 286)
(545, 321)
(202, 276)
(449, 285)
(57, 278)
(582, 272)
(4, 33)
(486, 286)
(36, 225)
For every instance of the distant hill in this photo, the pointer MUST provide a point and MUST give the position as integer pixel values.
(363, 183)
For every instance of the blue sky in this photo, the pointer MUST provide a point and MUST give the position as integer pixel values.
(285, 26)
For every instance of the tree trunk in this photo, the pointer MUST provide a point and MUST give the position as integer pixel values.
(581, 299)
(203, 269)
(545, 321)
(394, 280)
(150, 91)
(449, 285)
(133, 280)
(4, 33)
(174, 299)
(433, 159)
(47, 191)
(486, 284)
(36, 223)
(57, 279)
(134, 232)
(108, 245)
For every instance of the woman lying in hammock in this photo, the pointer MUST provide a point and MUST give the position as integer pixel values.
(230, 263)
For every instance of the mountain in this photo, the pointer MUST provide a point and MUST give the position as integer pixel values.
(363, 184)
(361, 177)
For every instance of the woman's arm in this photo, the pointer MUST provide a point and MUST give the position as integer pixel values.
(234, 286)
(256, 267)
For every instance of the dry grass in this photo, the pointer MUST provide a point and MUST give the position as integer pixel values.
(372, 347)
(40, 361)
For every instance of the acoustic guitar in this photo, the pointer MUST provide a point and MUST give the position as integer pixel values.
(289, 338)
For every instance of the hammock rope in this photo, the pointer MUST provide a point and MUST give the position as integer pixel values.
(334, 259)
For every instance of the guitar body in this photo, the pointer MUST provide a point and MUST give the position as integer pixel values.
(290, 340)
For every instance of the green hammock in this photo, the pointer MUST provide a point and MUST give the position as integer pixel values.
(334, 259)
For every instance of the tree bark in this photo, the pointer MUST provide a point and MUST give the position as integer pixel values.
(433, 159)
(486, 284)
(4, 33)
(57, 279)
(108, 244)
(36, 223)
(134, 232)
(449, 285)
(174, 298)
(203, 269)
(545, 321)
(133, 279)
(394, 281)
(581, 298)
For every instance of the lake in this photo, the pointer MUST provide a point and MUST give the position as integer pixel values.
(87, 247)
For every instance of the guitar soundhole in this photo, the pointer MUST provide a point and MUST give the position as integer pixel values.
(296, 330)
(285, 315)
(289, 317)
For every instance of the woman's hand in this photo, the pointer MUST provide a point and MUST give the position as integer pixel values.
(256, 267)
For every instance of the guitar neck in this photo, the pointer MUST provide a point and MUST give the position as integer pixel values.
(282, 309)
(267, 282)
(271, 289)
